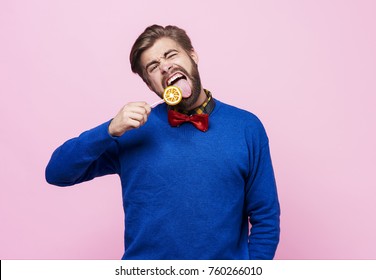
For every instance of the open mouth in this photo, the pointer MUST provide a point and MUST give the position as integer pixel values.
(180, 80)
(175, 78)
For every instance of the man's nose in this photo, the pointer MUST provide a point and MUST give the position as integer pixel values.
(165, 66)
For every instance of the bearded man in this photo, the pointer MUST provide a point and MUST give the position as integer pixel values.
(197, 178)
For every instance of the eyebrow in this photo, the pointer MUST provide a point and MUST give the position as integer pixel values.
(157, 61)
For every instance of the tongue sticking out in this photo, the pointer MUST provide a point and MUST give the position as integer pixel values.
(185, 88)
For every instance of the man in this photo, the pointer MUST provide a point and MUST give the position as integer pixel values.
(190, 187)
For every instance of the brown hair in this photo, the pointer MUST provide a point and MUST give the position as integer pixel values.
(150, 36)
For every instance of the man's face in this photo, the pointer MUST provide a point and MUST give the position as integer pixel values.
(167, 63)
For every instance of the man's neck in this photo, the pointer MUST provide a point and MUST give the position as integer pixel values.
(201, 99)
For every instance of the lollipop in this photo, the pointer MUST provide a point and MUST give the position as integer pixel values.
(172, 96)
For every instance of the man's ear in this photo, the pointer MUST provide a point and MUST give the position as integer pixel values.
(194, 56)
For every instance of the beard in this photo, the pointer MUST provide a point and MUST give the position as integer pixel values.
(194, 77)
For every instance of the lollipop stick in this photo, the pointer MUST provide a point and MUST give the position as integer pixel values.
(157, 103)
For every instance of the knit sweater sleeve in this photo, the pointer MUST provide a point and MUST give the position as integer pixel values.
(90, 155)
(262, 203)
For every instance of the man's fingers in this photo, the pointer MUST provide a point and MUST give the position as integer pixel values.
(148, 108)
(141, 118)
(139, 110)
(134, 123)
(137, 104)
(138, 107)
(132, 115)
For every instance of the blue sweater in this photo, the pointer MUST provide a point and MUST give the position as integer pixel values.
(187, 194)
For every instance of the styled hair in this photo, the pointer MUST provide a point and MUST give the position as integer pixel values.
(150, 36)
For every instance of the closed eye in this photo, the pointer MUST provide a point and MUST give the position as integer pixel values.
(152, 67)
(171, 55)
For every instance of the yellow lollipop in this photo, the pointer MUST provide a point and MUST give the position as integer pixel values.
(172, 95)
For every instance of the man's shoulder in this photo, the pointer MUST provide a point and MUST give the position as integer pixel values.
(237, 114)
(241, 122)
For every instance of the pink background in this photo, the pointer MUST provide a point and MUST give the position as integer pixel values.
(306, 68)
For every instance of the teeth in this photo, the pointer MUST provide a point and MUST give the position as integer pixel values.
(173, 78)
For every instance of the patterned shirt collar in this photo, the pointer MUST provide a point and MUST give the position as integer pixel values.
(205, 108)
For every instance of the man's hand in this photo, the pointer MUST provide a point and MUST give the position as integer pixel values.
(132, 115)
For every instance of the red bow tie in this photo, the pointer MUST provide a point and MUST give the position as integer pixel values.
(200, 121)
